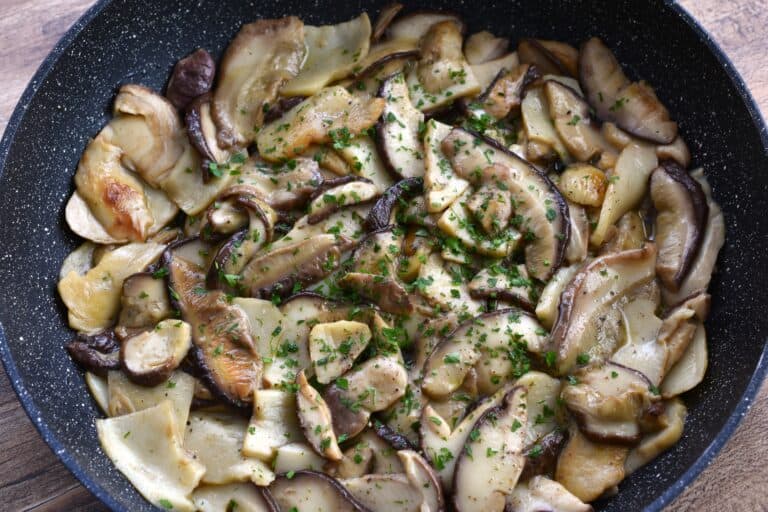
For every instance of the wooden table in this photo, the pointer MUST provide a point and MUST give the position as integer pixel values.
(32, 478)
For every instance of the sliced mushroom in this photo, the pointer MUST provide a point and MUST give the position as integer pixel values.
(333, 51)
(507, 284)
(297, 457)
(483, 46)
(589, 294)
(543, 399)
(259, 60)
(415, 25)
(144, 302)
(93, 299)
(652, 445)
(486, 72)
(677, 150)
(682, 212)
(97, 353)
(627, 186)
(643, 350)
(386, 15)
(539, 129)
(452, 358)
(384, 493)
(215, 498)
(125, 397)
(333, 347)
(355, 191)
(628, 233)
(273, 424)
(202, 134)
(97, 386)
(689, 370)
(680, 324)
(578, 243)
(385, 292)
(150, 357)
(311, 490)
(282, 187)
(384, 59)
(398, 129)
(481, 483)
(332, 115)
(316, 420)
(146, 447)
(191, 77)
(541, 457)
(542, 494)
(537, 201)
(362, 156)
(421, 476)
(549, 299)
(442, 185)
(381, 215)
(608, 402)
(504, 95)
(436, 285)
(589, 469)
(631, 105)
(550, 57)
(279, 271)
(442, 74)
(491, 207)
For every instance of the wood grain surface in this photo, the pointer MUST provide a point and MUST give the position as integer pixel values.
(32, 478)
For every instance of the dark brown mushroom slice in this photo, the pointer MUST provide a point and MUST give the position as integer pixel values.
(278, 272)
(150, 358)
(398, 130)
(546, 226)
(483, 46)
(541, 457)
(492, 460)
(380, 215)
(191, 77)
(392, 437)
(384, 19)
(224, 352)
(144, 302)
(383, 60)
(549, 57)
(348, 419)
(681, 219)
(505, 94)
(311, 490)
(97, 353)
(633, 106)
(281, 106)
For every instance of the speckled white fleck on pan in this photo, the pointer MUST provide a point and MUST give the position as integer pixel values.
(139, 40)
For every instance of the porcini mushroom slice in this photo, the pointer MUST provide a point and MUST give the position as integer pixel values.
(312, 491)
(573, 123)
(215, 498)
(202, 132)
(283, 187)
(578, 243)
(97, 386)
(631, 105)
(680, 324)
(150, 357)
(538, 126)
(272, 425)
(436, 285)
(315, 419)
(588, 469)
(144, 302)
(542, 398)
(79, 261)
(332, 52)
(97, 353)
(541, 457)
(550, 57)
(536, 199)
(441, 184)
(93, 299)
(652, 445)
(486, 72)
(146, 447)
(334, 347)
(399, 128)
(541, 493)
(354, 192)
(277, 272)
(490, 464)
(643, 350)
(549, 299)
(413, 26)
(125, 397)
(191, 77)
(608, 401)
(297, 457)
(689, 370)
(363, 157)
(332, 115)
(421, 476)
(589, 294)
(442, 74)
(384, 493)
(483, 46)
(682, 212)
(507, 284)
(259, 60)
(388, 294)
(384, 19)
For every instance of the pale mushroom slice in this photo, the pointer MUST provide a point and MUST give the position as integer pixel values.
(588, 296)
(333, 51)
(311, 491)
(627, 186)
(542, 209)
(551, 57)
(259, 60)
(583, 184)
(399, 128)
(608, 402)
(282, 187)
(415, 25)
(504, 96)
(149, 358)
(423, 477)
(644, 349)
(442, 74)
(578, 243)
(315, 419)
(272, 425)
(473, 343)
(334, 346)
(384, 493)
(297, 457)
(492, 460)
(681, 215)
(435, 284)
(79, 261)
(631, 105)
(703, 265)
(441, 184)
(216, 441)
(689, 370)
(540, 493)
(125, 397)
(266, 322)
(549, 298)
(484, 46)
(353, 192)
(363, 157)
(98, 388)
(237, 497)
(652, 445)
(146, 447)
(144, 303)
(589, 469)
(486, 72)
(542, 399)
(333, 115)
(508, 284)
(538, 126)
(93, 299)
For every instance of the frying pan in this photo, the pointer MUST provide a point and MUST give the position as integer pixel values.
(138, 41)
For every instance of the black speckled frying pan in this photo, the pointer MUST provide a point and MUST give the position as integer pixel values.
(139, 41)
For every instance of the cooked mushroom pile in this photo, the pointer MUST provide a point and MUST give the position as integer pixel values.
(389, 268)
